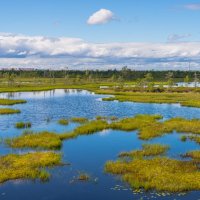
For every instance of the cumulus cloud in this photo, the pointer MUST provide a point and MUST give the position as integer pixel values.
(193, 6)
(102, 16)
(39, 51)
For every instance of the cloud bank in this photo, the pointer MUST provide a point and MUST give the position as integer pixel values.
(40, 52)
(102, 16)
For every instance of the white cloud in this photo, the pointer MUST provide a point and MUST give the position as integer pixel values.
(193, 6)
(39, 51)
(102, 16)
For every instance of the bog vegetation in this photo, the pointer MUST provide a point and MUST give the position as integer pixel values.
(27, 166)
(8, 111)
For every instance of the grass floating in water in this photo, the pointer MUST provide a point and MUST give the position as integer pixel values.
(147, 150)
(195, 138)
(63, 121)
(27, 166)
(8, 111)
(79, 120)
(23, 125)
(11, 101)
(41, 140)
(194, 155)
(161, 174)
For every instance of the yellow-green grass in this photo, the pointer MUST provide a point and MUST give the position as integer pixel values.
(23, 125)
(149, 127)
(160, 173)
(91, 127)
(147, 150)
(63, 121)
(8, 111)
(49, 140)
(11, 101)
(191, 99)
(80, 120)
(83, 176)
(195, 138)
(27, 166)
(194, 155)
(41, 140)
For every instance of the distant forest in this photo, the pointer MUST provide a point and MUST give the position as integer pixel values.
(126, 74)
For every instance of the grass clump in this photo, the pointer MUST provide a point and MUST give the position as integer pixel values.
(161, 174)
(7, 111)
(41, 140)
(194, 155)
(11, 101)
(147, 150)
(27, 166)
(23, 125)
(183, 138)
(83, 176)
(80, 120)
(63, 121)
(195, 138)
(91, 127)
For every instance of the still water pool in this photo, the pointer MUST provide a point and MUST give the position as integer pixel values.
(86, 153)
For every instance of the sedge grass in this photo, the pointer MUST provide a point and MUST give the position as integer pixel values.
(147, 150)
(161, 174)
(20, 125)
(27, 166)
(79, 120)
(11, 101)
(63, 122)
(8, 111)
(41, 140)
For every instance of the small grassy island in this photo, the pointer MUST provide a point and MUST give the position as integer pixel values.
(8, 111)
(23, 125)
(147, 150)
(27, 166)
(161, 174)
(63, 121)
(41, 140)
(11, 101)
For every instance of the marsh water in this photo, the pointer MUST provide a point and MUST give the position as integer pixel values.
(87, 153)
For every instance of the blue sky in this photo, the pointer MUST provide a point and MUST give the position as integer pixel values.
(156, 22)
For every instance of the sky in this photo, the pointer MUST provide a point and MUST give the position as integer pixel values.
(100, 34)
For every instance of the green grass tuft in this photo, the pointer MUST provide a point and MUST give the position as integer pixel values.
(23, 125)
